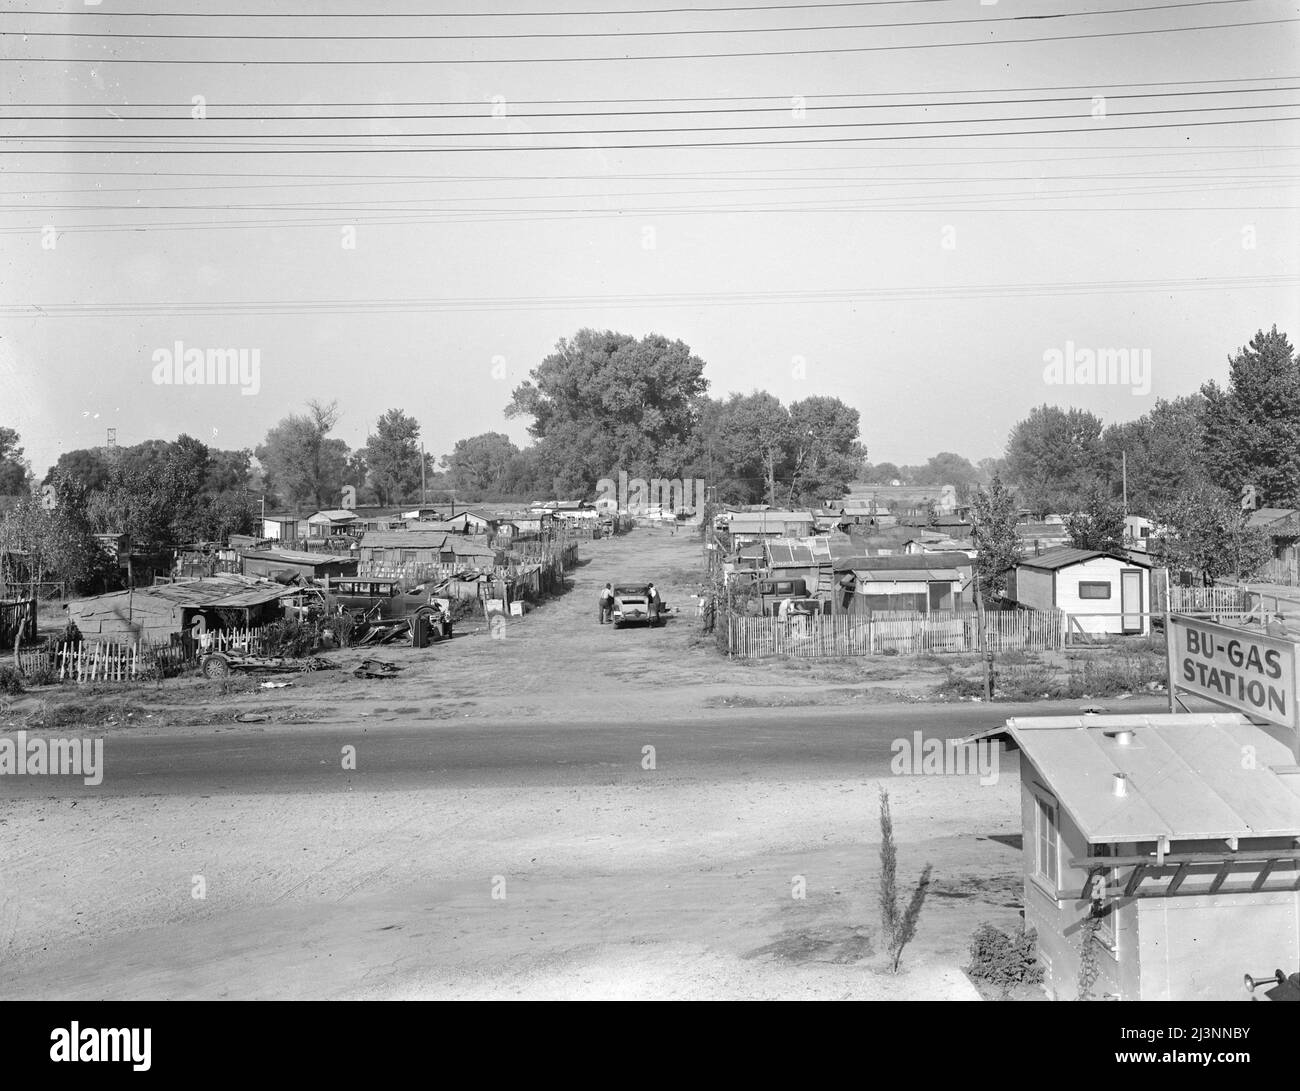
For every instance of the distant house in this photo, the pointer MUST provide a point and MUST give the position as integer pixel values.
(921, 582)
(284, 565)
(1153, 831)
(167, 611)
(807, 559)
(1137, 532)
(1282, 525)
(402, 547)
(325, 524)
(752, 526)
(1040, 537)
(282, 528)
(1100, 592)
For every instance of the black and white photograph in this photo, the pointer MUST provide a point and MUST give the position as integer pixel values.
(909, 388)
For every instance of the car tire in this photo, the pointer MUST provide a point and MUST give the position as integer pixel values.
(216, 666)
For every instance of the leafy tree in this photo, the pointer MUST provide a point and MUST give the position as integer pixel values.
(946, 468)
(53, 535)
(1054, 457)
(86, 464)
(1205, 531)
(988, 468)
(994, 534)
(882, 473)
(752, 433)
(302, 464)
(392, 455)
(1165, 452)
(824, 454)
(605, 401)
(1100, 525)
(484, 464)
(1253, 427)
(13, 467)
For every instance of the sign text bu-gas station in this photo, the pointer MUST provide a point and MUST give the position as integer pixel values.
(1250, 672)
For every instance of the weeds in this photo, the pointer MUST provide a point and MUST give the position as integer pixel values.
(899, 926)
(1004, 960)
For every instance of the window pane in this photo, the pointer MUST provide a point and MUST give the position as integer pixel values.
(1094, 590)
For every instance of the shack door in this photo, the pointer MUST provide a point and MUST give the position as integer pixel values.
(1130, 599)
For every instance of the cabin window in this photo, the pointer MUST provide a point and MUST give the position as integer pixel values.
(1094, 589)
(408, 556)
(1047, 838)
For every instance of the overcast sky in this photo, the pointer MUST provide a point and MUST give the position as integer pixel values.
(919, 272)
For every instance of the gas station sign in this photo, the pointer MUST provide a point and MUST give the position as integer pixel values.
(1246, 671)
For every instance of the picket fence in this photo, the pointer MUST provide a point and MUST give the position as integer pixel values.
(1215, 602)
(118, 661)
(899, 633)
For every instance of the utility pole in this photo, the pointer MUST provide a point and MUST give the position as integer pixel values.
(423, 499)
(1124, 472)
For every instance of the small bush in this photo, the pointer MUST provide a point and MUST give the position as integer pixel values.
(1004, 960)
(291, 638)
(11, 682)
(1028, 683)
(44, 675)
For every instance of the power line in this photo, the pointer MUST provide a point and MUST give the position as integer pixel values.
(471, 14)
(390, 62)
(343, 149)
(228, 308)
(316, 137)
(728, 31)
(785, 109)
(1092, 87)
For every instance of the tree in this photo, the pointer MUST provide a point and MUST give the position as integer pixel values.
(13, 467)
(483, 464)
(303, 465)
(1100, 525)
(824, 453)
(1054, 457)
(1164, 450)
(750, 443)
(1253, 427)
(883, 473)
(605, 401)
(86, 464)
(392, 455)
(53, 536)
(1205, 531)
(997, 546)
(946, 468)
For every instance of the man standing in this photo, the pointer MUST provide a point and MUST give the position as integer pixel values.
(606, 603)
(652, 597)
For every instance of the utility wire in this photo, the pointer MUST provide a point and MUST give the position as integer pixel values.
(728, 31)
(1090, 87)
(345, 150)
(391, 62)
(186, 107)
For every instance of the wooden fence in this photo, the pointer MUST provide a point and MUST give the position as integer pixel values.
(899, 633)
(115, 661)
(17, 616)
(1283, 570)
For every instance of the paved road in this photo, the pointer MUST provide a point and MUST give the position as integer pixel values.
(395, 756)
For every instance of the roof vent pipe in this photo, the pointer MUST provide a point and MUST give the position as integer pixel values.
(1123, 738)
(1121, 784)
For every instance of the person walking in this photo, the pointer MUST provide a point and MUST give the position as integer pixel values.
(606, 603)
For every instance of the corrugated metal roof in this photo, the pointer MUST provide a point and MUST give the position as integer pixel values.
(907, 575)
(334, 515)
(236, 591)
(403, 539)
(294, 556)
(765, 520)
(1186, 778)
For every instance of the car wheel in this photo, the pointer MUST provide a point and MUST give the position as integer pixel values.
(216, 666)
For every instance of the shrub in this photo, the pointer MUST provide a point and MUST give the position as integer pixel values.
(11, 681)
(44, 675)
(1004, 960)
(1028, 683)
(291, 638)
(898, 924)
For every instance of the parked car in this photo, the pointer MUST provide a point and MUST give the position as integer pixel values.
(632, 606)
(369, 599)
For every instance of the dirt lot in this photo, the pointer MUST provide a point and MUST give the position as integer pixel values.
(678, 886)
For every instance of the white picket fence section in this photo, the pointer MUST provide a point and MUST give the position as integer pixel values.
(99, 662)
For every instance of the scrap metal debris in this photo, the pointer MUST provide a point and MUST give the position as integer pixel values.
(376, 668)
